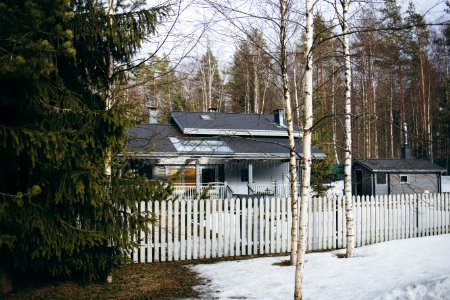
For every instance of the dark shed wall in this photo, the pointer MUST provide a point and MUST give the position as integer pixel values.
(366, 180)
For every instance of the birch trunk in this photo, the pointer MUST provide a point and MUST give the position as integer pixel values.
(296, 102)
(306, 180)
(333, 109)
(255, 84)
(290, 129)
(348, 134)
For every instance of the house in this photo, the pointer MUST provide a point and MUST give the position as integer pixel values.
(396, 176)
(229, 154)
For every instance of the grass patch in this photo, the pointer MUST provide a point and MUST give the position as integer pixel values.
(166, 280)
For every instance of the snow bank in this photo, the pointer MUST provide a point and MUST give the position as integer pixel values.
(401, 268)
(434, 289)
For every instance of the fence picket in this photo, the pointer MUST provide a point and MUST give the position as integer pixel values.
(176, 229)
(255, 225)
(208, 237)
(244, 227)
(272, 225)
(142, 243)
(249, 225)
(237, 230)
(213, 228)
(226, 226)
(232, 226)
(195, 227)
(189, 229)
(163, 231)
(310, 227)
(267, 226)
(261, 225)
(283, 225)
(278, 224)
(150, 233)
(220, 233)
(182, 229)
(330, 225)
(169, 231)
(157, 228)
(202, 225)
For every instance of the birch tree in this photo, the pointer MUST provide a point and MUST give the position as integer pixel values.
(290, 129)
(307, 135)
(348, 132)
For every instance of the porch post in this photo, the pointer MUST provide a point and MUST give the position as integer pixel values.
(250, 172)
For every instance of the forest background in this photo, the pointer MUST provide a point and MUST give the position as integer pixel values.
(229, 61)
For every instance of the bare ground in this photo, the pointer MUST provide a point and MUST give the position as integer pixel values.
(169, 280)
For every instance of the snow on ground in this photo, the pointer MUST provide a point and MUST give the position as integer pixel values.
(402, 269)
(336, 189)
(445, 180)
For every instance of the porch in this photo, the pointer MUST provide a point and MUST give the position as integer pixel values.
(221, 190)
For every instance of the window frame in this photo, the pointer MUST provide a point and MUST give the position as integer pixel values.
(404, 176)
(244, 174)
(385, 178)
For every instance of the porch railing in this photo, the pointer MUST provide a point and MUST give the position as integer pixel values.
(216, 190)
(272, 189)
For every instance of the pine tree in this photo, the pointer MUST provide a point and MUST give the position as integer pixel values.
(60, 213)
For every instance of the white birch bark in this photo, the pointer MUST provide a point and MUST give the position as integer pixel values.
(296, 102)
(290, 129)
(307, 135)
(333, 110)
(348, 134)
(255, 83)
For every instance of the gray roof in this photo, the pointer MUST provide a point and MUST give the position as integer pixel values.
(154, 140)
(400, 165)
(233, 123)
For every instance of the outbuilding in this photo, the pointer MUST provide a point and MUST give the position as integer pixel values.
(396, 176)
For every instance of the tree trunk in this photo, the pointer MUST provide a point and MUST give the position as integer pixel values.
(306, 180)
(296, 102)
(348, 134)
(333, 111)
(290, 129)
(255, 84)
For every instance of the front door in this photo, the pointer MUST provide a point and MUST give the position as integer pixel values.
(208, 175)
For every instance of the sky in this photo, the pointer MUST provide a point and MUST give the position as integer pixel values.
(194, 25)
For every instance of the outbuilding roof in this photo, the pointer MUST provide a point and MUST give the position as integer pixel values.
(400, 165)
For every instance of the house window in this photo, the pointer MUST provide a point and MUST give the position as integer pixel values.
(381, 178)
(244, 175)
(404, 179)
(204, 145)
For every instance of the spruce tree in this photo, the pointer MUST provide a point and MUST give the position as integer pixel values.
(59, 212)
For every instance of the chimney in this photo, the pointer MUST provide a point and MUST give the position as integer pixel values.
(153, 115)
(212, 109)
(279, 115)
(406, 152)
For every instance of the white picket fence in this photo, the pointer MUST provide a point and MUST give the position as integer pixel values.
(201, 229)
